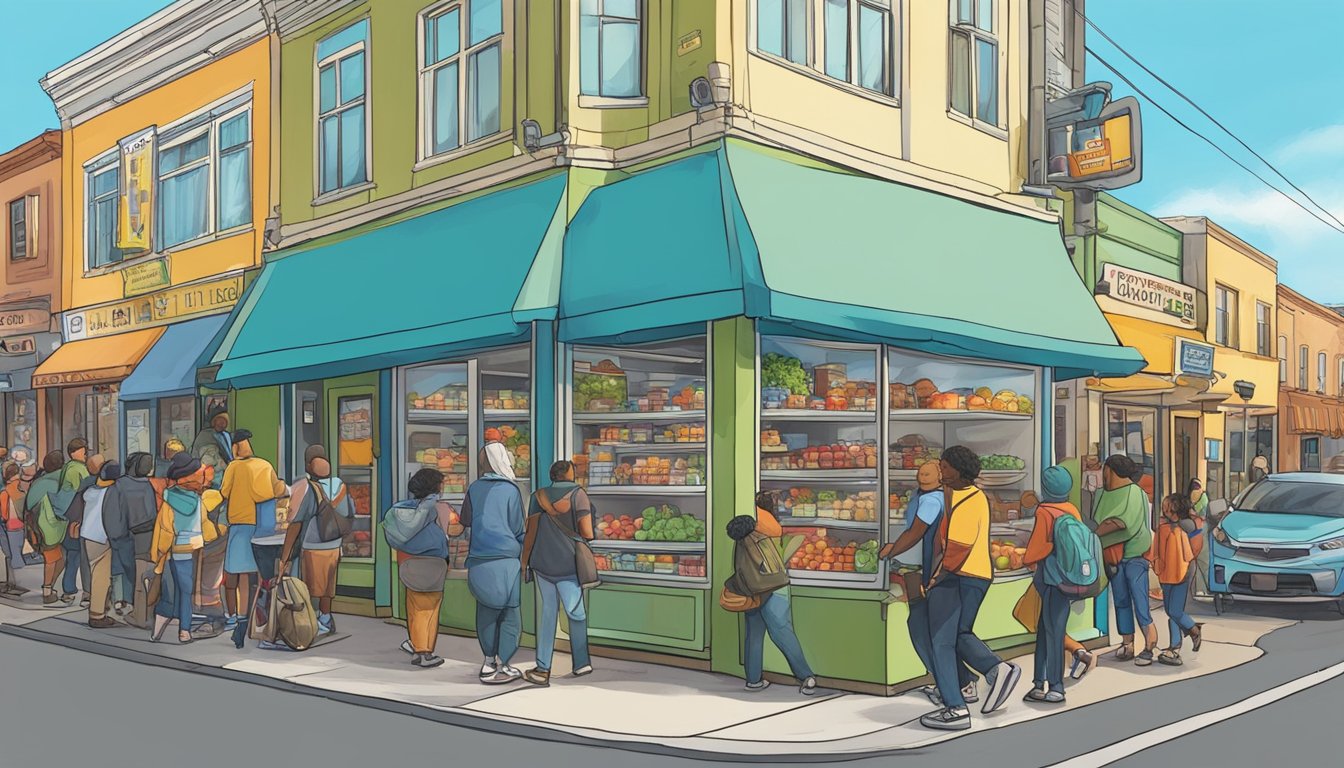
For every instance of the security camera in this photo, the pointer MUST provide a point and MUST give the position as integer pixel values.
(1244, 389)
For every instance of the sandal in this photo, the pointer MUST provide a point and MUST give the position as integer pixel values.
(1171, 657)
(184, 638)
(1196, 636)
(1126, 653)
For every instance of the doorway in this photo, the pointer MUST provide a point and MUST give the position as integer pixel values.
(1186, 445)
(1133, 431)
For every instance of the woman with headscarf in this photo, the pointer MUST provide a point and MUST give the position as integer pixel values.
(493, 510)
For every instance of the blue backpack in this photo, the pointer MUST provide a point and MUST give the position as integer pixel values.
(1074, 565)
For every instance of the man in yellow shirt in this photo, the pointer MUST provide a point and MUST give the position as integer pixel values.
(250, 486)
(960, 582)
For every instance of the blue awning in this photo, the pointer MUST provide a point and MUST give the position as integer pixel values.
(169, 368)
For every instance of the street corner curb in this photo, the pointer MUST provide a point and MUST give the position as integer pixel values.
(460, 718)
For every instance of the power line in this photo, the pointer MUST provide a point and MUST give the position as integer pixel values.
(1211, 142)
(1210, 117)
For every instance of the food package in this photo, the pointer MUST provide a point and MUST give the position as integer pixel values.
(828, 376)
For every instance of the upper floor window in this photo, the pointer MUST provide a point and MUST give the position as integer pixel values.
(205, 178)
(1339, 379)
(858, 43)
(1225, 316)
(1320, 372)
(782, 29)
(974, 65)
(610, 40)
(460, 74)
(1283, 359)
(100, 184)
(342, 109)
(1262, 331)
(1302, 354)
(23, 228)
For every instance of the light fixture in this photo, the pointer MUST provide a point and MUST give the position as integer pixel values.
(533, 140)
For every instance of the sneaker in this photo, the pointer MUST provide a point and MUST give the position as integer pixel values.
(84, 601)
(427, 660)
(809, 687)
(506, 675)
(1053, 697)
(102, 622)
(759, 685)
(230, 621)
(931, 692)
(488, 670)
(407, 647)
(323, 629)
(586, 669)
(949, 719)
(538, 677)
(1145, 658)
(1171, 657)
(271, 645)
(1006, 676)
(68, 599)
(971, 693)
(1036, 694)
(1084, 661)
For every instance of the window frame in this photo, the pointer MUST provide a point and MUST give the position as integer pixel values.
(1283, 361)
(1339, 376)
(1303, 354)
(29, 204)
(641, 21)
(1263, 328)
(334, 59)
(1226, 303)
(1322, 371)
(425, 78)
(105, 162)
(974, 33)
(890, 36)
(210, 128)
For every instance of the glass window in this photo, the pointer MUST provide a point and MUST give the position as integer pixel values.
(610, 41)
(234, 188)
(1262, 328)
(184, 201)
(1225, 311)
(1320, 372)
(218, 155)
(22, 218)
(460, 81)
(354, 466)
(177, 418)
(874, 35)
(781, 29)
(837, 39)
(101, 223)
(1283, 361)
(1339, 377)
(974, 60)
(92, 413)
(341, 116)
(21, 430)
(139, 430)
(1302, 354)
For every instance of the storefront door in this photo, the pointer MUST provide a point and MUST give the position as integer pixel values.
(1133, 431)
(1186, 445)
(1311, 454)
(350, 447)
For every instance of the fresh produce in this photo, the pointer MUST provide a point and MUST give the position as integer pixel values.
(504, 400)
(1001, 462)
(783, 371)
(925, 394)
(1007, 556)
(840, 455)
(668, 523)
(450, 398)
(820, 552)
(602, 388)
(865, 557)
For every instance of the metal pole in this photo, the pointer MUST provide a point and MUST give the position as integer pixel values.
(1036, 62)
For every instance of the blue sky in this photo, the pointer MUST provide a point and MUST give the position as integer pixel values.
(1264, 73)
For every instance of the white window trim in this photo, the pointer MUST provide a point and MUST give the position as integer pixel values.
(212, 162)
(1283, 361)
(816, 51)
(1303, 356)
(102, 162)
(320, 197)
(425, 115)
(1322, 371)
(1260, 307)
(999, 128)
(891, 62)
(602, 101)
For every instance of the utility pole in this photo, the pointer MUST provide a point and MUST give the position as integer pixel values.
(1036, 57)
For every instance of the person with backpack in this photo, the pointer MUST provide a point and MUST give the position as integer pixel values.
(77, 475)
(1173, 553)
(559, 521)
(1121, 515)
(760, 575)
(417, 529)
(493, 510)
(321, 515)
(43, 506)
(11, 532)
(1052, 537)
(250, 488)
(179, 533)
(130, 529)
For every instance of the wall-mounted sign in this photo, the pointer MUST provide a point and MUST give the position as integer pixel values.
(142, 278)
(159, 308)
(690, 41)
(1164, 300)
(1103, 152)
(1194, 358)
(135, 218)
(18, 345)
(24, 320)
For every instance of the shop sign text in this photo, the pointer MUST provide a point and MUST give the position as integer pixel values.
(155, 309)
(1194, 359)
(1140, 289)
(18, 345)
(19, 320)
(143, 278)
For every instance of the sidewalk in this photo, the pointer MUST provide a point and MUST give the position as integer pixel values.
(638, 707)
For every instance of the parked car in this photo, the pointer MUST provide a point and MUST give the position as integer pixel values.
(1282, 539)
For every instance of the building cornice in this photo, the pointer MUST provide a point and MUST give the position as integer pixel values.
(1293, 298)
(1204, 226)
(40, 149)
(295, 16)
(178, 40)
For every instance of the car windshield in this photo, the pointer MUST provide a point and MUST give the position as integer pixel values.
(1324, 499)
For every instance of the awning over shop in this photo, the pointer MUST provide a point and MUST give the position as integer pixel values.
(20, 356)
(96, 361)
(808, 248)
(170, 367)
(1156, 342)
(1314, 415)
(1138, 384)
(396, 292)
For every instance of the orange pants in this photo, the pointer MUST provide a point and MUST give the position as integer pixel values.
(422, 619)
(1028, 614)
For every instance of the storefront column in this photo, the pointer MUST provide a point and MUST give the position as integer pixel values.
(382, 557)
(545, 401)
(732, 456)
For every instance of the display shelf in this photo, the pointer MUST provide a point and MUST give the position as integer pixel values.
(1013, 575)
(949, 414)
(802, 576)
(645, 490)
(499, 414)
(818, 475)
(428, 416)
(651, 547)
(828, 522)
(785, 414)
(989, 478)
(618, 577)
(657, 447)
(625, 417)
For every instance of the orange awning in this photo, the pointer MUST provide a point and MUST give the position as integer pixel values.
(95, 361)
(1310, 414)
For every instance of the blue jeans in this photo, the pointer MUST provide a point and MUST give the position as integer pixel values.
(1050, 630)
(498, 630)
(1173, 602)
(1130, 588)
(75, 565)
(554, 594)
(177, 603)
(922, 639)
(954, 603)
(123, 566)
(774, 617)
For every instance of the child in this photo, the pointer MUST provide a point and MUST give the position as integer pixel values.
(1172, 555)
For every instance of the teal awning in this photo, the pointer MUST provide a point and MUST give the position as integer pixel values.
(408, 291)
(808, 248)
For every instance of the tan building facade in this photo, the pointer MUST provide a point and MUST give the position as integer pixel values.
(1311, 384)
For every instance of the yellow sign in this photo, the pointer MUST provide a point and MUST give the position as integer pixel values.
(1095, 157)
(688, 42)
(143, 278)
(135, 218)
(160, 308)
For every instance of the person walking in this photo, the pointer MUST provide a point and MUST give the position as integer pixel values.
(1053, 617)
(417, 529)
(77, 474)
(179, 533)
(97, 550)
(11, 529)
(213, 444)
(45, 501)
(316, 496)
(1199, 519)
(774, 616)
(1121, 515)
(493, 510)
(250, 489)
(130, 530)
(557, 517)
(956, 591)
(1173, 552)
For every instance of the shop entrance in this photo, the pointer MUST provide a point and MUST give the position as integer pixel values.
(1311, 454)
(1186, 445)
(1133, 431)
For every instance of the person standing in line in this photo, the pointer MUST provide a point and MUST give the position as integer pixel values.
(1199, 519)
(493, 510)
(44, 490)
(130, 530)
(1121, 515)
(556, 515)
(179, 533)
(1173, 552)
(171, 447)
(1052, 638)
(213, 444)
(318, 558)
(77, 475)
(925, 512)
(775, 613)
(417, 530)
(250, 489)
(956, 591)
(97, 550)
(11, 532)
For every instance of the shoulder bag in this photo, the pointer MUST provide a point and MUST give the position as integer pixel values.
(331, 525)
(585, 565)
